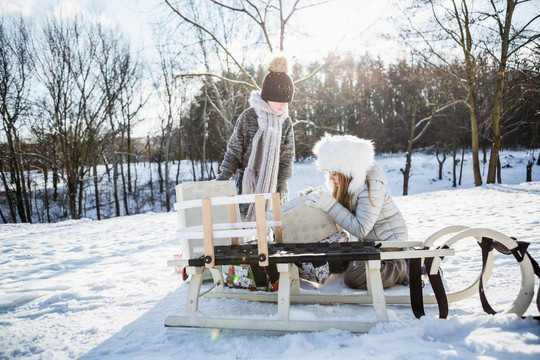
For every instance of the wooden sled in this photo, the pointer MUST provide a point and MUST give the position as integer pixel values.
(286, 255)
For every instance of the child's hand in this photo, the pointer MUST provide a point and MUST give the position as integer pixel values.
(306, 191)
(309, 190)
(320, 199)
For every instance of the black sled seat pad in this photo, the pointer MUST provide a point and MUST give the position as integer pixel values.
(292, 253)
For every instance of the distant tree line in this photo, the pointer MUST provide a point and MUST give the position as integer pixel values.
(72, 92)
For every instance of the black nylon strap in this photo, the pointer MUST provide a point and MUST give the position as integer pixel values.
(438, 289)
(272, 272)
(416, 292)
(415, 288)
(335, 267)
(519, 252)
(537, 272)
(259, 275)
(486, 244)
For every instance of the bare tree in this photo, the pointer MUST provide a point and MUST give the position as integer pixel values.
(131, 101)
(418, 99)
(509, 42)
(117, 72)
(16, 62)
(74, 103)
(470, 27)
(171, 94)
(460, 33)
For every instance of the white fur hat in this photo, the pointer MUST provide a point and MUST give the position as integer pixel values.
(346, 154)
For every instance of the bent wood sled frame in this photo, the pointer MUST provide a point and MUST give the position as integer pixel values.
(289, 283)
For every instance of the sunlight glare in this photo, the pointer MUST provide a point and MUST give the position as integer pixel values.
(341, 26)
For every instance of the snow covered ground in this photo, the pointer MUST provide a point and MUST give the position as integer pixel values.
(101, 289)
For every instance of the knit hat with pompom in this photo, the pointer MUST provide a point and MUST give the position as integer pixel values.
(278, 85)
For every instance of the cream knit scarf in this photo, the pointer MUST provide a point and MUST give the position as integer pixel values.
(260, 175)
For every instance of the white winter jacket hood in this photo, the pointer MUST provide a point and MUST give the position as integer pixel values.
(376, 172)
(350, 156)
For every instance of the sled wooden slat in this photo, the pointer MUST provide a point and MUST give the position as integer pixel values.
(360, 298)
(401, 244)
(225, 230)
(391, 255)
(265, 324)
(231, 208)
(276, 207)
(207, 230)
(221, 200)
(262, 240)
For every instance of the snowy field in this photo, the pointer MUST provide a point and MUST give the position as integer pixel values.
(101, 289)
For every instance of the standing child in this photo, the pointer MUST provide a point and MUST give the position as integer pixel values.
(359, 202)
(261, 147)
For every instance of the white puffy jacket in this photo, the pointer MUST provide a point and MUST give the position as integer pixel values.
(381, 222)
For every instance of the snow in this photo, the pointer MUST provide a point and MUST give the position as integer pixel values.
(101, 289)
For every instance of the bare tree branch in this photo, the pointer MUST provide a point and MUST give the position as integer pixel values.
(258, 18)
(231, 81)
(328, 59)
(217, 41)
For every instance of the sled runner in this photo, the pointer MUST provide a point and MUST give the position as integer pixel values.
(285, 256)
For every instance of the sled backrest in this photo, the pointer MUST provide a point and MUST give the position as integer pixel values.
(210, 230)
(191, 190)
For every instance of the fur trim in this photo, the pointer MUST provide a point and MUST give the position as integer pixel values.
(278, 64)
(346, 154)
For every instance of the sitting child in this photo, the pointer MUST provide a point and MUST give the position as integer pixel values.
(360, 203)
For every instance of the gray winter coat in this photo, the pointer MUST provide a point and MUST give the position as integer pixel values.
(381, 222)
(239, 149)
